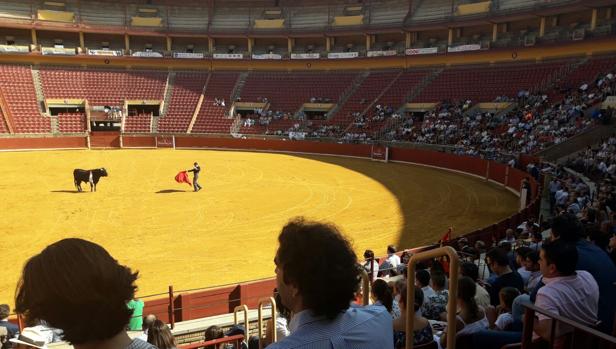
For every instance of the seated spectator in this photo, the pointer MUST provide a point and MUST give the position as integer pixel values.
(436, 306)
(532, 265)
(30, 338)
(11, 329)
(422, 330)
(504, 321)
(160, 336)
(313, 255)
(87, 281)
(392, 260)
(381, 294)
(471, 317)
(482, 297)
(422, 280)
(593, 260)
(567, 292)
(505, 277)
(148, 320)
(371, 265)
(520, 258)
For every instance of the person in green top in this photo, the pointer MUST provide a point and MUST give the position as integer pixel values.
(136, 321)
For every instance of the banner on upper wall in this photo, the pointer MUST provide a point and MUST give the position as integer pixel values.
(104, 52)
(382, 53)
(58, 51)
(149, 54)
(305, 56)
(421, 51)
(266, 56)
(188, 55)
(228, 56)
(14, 49)
(337, 55)
(462, 48)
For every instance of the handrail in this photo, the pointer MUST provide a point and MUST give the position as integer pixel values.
(529, 318)
(243, 308)
(271, 301)
(365, 284)
(453, 293)
(236, 339)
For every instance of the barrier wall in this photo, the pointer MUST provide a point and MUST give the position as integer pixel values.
(189, 305)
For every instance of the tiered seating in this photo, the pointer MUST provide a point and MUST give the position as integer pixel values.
(18, 89)
(430, 10)
(231, 19)
(15, 9)
(287, 92)
(388, 12)
(481, 84)
(141, 123)
(102, 14)
(3, 127)
(369, 89)
(188, 18)
(211, 118)
(187, 88)
(103, 87)
(315, 17)
(72, 122)
(585, 73)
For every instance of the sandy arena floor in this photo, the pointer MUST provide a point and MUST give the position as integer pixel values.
(227, 232)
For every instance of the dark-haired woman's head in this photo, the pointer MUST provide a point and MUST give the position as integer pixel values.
(160, 336)
(77, 286)
(382, 293)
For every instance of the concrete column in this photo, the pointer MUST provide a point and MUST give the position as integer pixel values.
(593, 19)
(408, 40)
(368, 42)
(33, 34)
(251, 42)
(290, 44)
(210, 45)
(542, 27)
(328, 43)
(494, 32)
(450, 37)
(608, 13)
(126, 43)
(82, 42)
(168, 39)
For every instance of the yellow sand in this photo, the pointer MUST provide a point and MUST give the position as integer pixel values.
(227, 232)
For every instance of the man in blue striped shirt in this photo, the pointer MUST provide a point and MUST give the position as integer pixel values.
(317, 276)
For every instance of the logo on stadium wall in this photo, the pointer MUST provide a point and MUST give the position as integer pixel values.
(421, 51)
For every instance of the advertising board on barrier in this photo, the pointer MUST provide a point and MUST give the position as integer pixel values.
(298, 136)
(305, 56)
(14, 49)
(462, 48)
(266, 56)
(421, 51)
(58, 51)
(104, 52)
(336, 55)
(228, 56)
(150, 54)
(382, 53)
(189, 55)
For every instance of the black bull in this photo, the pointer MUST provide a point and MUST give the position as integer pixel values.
(88, 176)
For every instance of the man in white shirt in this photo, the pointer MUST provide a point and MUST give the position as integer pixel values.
(370, 265)
(569, 293)
(392, 257)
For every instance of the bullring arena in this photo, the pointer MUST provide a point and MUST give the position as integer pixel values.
(457, 131)
(159, 227)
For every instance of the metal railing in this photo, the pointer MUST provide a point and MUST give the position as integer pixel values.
(453, 292)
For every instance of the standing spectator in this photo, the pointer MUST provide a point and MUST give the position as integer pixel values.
(317, 277)
(392, 262)
(499, 263)
(11, 329)
(86, 298)
(136, 320)
(160, 336)
(370, 265)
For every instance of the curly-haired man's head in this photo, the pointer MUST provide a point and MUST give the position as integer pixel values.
(316, 268)
(77, 286)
